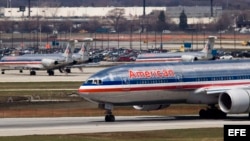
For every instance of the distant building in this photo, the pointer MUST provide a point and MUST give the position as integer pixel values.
(77, 11)
(195, 14)
(193, 11)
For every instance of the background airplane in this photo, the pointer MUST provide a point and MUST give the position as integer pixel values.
(37, 62)
(79, 59)
(224, 85)
(82, 57)
(204, 54)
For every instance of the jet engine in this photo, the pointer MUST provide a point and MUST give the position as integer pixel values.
(188, 58)
(49, 62)
(151, 107)
(235, 101)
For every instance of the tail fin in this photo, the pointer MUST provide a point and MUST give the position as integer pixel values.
(68, 53)
(84, 51)
(209, 45)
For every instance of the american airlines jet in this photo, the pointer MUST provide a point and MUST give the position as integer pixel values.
(37, 62)
(48, 62)
(204, 54)
(82, 57)
(224, 85)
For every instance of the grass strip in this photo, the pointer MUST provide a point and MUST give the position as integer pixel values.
(204, 134)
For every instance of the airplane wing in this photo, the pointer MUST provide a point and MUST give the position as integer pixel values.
(220, 89)
(85, 65)
(34, 67)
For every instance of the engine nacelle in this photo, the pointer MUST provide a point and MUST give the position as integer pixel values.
(188, 58)
(151, 107)
(49, 62)
(235, 101)
(227, 57)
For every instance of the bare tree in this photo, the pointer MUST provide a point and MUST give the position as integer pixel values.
(224, 22)
(115, 17)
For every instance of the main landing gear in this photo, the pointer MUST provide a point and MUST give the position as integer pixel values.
(109, 117)
(32, 72)
(212, 112)
(50, 72)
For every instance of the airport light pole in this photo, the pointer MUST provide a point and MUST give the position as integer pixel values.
(131, 26)
(94, 39)
(12, 35)
(192, 40)
(234, 40)
(102, 40)
(118, 39)
(155, 39)
(220, 37)
(108, 40)
(140, 40)
(1, 39)
(161, 43)
(196, 36)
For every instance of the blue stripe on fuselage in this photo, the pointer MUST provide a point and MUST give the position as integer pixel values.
(186, 76)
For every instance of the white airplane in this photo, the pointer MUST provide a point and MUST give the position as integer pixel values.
(37, 62)
(82, 57)
(204, 54)
(79, 59)
(224, 85)
(30, 61)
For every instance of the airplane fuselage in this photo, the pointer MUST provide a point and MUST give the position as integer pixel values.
(21, 62)
(164, 83)
(171, 57)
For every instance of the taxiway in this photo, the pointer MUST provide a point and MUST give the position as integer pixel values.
(42, 76)
(81, 125)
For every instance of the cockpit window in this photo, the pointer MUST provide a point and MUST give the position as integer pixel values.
(89, 81)
(95, 81)
(100, 81)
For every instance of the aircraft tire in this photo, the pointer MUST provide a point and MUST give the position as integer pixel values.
(50, 72)
(212, 114)
(203, 113)
(68, 70)
(32, 72)
(109, 118)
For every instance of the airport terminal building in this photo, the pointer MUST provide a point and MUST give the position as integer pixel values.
(194, 13)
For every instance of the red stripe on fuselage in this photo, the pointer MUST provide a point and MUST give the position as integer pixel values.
(19, 63)
(159, 60)
(154, 88)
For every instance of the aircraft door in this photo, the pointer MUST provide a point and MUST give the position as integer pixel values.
(125, 84)
(179, 80)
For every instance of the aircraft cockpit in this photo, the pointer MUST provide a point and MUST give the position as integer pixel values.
(94, 81)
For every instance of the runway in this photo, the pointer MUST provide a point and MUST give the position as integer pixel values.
(79, 125)
(76, 125)
(42, 76)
